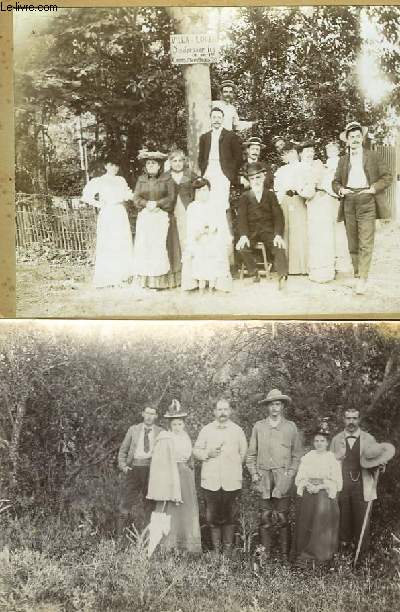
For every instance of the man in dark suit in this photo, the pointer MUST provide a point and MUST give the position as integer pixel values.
(220, 157)
(134, 459)
(360, 180)
(261, 220)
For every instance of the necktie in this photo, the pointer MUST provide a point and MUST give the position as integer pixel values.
(146, 441)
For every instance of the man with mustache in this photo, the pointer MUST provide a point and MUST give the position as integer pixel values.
(221, 447)
(360, 181)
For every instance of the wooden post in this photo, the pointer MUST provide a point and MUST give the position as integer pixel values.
(194, 20)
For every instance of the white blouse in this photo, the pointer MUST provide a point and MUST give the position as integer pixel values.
(182, 446)
(285, 179)
(323, 466)
(110, 189)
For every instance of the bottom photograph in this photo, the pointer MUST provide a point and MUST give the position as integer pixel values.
(199, 466)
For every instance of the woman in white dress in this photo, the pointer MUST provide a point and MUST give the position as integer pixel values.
(342, 257)
(318, 482)
(294, 210)
(320, 228)
(114, 243)
(208, 242)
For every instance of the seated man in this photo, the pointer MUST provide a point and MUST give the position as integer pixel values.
(261, 220)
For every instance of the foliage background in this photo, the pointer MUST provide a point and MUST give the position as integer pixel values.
(70, 390)
(295, 70)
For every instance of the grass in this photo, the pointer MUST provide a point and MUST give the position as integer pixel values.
(57, 568)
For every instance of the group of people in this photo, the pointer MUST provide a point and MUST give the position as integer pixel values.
(197, 230)
(335, 481)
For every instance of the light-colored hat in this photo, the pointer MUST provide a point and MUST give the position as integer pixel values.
(254, 140)
(377, 454)
(145, 154)
(275, 395)
(353, 125)
(175, 411)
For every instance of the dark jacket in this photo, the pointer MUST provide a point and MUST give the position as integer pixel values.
(230, 153)
(377, 174)
(184, 189)
(264, 216)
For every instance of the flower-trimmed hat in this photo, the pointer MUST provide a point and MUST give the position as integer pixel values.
(275, 395)
(175, 411)
(254, 140)
(305, 144)
(376, 454)
(200, 182)
(350, 127)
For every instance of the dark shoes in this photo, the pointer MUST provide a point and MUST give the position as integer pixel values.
(256, 277)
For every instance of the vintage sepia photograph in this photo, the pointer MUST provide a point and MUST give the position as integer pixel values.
(199, 466)
(202, 161)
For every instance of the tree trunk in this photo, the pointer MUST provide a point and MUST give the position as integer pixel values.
(190, 20)
(14, 444)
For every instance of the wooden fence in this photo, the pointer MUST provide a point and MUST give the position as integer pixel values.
(60, 223)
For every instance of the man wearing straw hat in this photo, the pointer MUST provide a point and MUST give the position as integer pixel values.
(253, 147)
(134, 460)
(361, 179)
(273, 458)
(360, 455)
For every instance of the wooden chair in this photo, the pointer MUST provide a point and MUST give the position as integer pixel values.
(264, 265)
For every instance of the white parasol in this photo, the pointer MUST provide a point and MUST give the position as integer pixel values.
(159, 526)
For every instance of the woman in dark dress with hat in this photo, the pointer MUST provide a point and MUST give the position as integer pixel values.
(157, 256)
(318, 482)
(172, 486)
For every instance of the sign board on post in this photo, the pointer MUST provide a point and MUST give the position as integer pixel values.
(194, 48)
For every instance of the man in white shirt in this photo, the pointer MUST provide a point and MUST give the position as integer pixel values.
(221, 447)
(361, 179)
(219, 160)
(134, 460)
(231, 117)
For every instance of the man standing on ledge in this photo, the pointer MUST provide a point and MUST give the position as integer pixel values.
(360, 180)
(134, 459)
(221, 447)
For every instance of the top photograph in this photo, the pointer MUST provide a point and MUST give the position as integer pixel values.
(208, 162)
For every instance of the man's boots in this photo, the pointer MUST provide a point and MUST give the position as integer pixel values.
(266, 540)
(284, 540)
(215, 533)
(228, 539)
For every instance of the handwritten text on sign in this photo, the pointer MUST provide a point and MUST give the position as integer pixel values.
(194, 48)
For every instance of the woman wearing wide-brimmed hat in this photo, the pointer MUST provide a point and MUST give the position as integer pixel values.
(171, 483)
(318, 482)
(157, 256)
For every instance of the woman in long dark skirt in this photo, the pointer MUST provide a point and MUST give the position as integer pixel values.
(318, 482)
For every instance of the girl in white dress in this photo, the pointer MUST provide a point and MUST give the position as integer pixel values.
(208, 241)
(114, 242)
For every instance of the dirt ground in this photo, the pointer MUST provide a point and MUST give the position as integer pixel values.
(58, 291)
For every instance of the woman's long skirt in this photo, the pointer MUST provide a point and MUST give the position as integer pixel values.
(185, 528)
(317, 526)
(321, 238)
(157, 255)
(295, 213)
(114, 247)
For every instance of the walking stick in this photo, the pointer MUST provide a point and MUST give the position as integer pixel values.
(365, 523)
